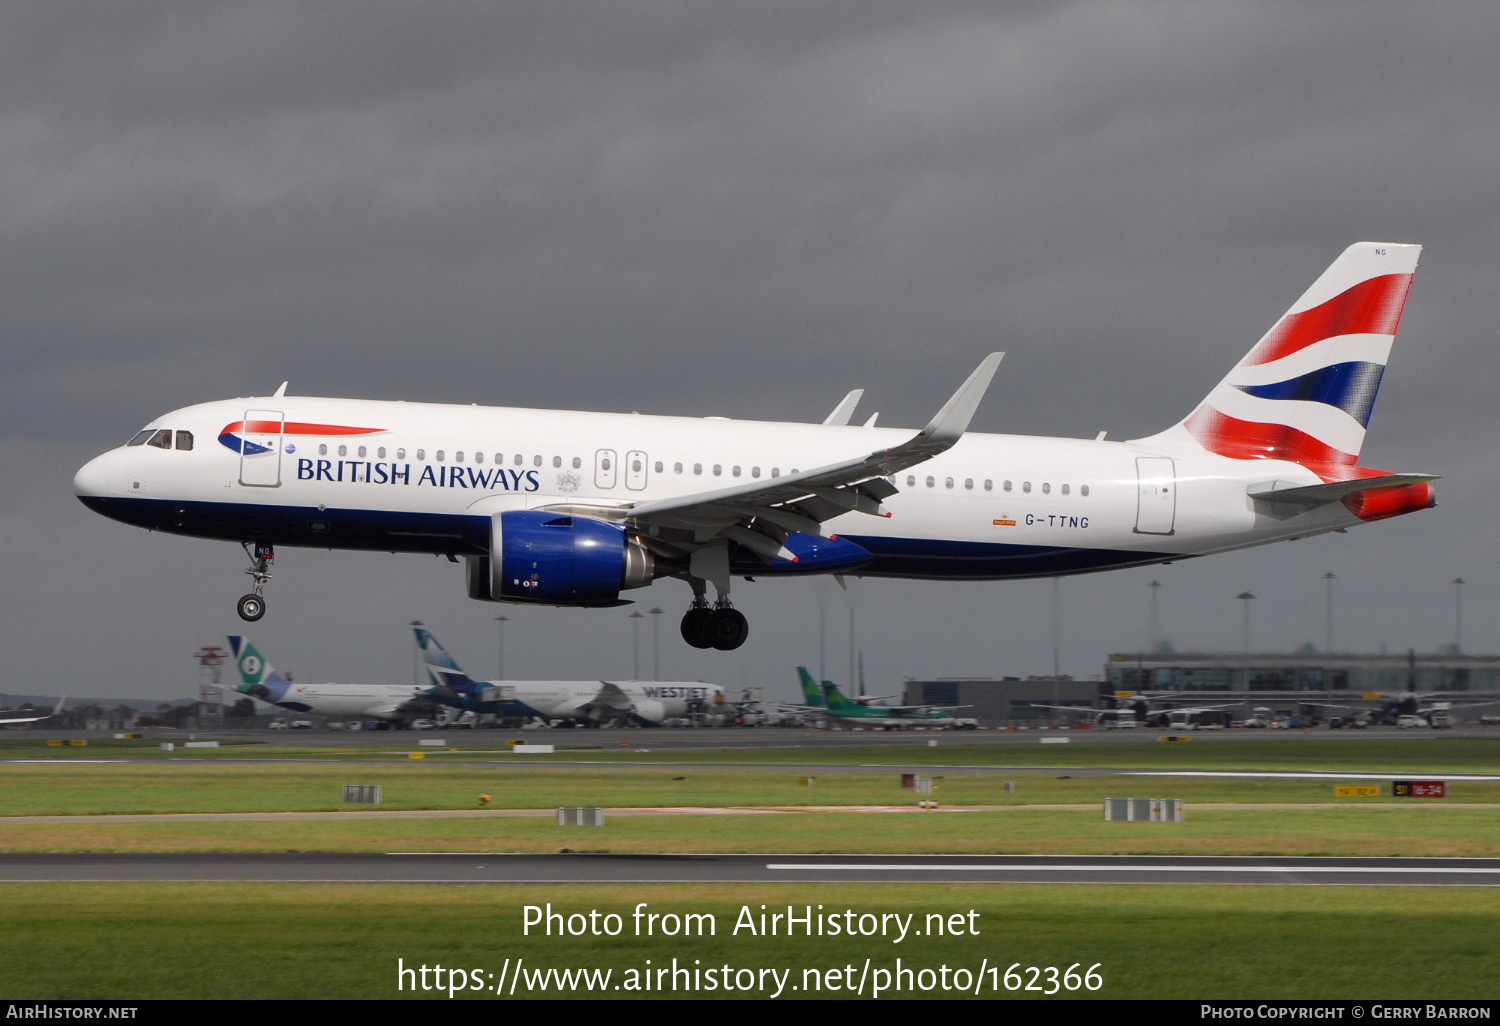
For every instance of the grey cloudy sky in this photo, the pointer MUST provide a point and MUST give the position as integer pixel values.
(737, 209)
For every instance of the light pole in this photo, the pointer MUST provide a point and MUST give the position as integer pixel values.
(656, 642)
(1155, 618)
(1056, 633)
(1328, 634)
(636, 618)
(500, 622)
(822, 649)
(1458, 614)
(416, 654)
(1246, 598)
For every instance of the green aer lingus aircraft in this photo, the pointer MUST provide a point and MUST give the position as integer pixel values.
(831, 703)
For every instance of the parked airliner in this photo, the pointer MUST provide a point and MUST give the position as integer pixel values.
(572, 509)
(259, 680)
(646, 703)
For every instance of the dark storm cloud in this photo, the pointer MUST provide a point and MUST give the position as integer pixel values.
(738, 209)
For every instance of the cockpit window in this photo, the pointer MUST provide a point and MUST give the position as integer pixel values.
(161, 439)
(184, 439)
(140, 439)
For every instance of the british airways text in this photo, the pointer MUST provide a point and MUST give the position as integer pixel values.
(440, 476)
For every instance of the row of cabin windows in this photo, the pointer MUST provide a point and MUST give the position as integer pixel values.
(163, 438)
(440, 456)
(989, 485)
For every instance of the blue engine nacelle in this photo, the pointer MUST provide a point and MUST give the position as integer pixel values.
(558, 560)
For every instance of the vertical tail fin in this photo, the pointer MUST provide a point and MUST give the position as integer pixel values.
(258, 678)
(440, 667)
(1304, 392)
(835, 698)
(811, 693)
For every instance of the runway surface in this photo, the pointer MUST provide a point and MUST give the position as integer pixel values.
(585, 868)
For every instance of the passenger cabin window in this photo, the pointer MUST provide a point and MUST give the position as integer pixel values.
(1046, 488)
(1083, 489)
(1065, 489)
(989, 485)
(380, 453)
(344, 450)
(421, 454)
(161, 439)
(536, 461)
(557, 461)
(140, 438)
(1026, 487)
(659, 466)
(438, 455)
(697, 468)
(479, 457)
(931, 482)
(184, 440)
(969, 484)
(458, 457)
(775, 471)
(1007, 486)
(755, 472)
(577, 462)
(361, 452)
(400, 454)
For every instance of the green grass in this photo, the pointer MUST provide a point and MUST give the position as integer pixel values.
(100, 789)
(1206, 750)
(1353, 832)
(192, 940)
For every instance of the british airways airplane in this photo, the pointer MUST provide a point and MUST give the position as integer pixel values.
(573, 509)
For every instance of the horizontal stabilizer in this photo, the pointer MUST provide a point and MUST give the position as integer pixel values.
(1294, 499)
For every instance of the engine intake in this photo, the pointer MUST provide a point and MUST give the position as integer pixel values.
(558, 560)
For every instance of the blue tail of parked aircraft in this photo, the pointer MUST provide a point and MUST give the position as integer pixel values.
(441, 669)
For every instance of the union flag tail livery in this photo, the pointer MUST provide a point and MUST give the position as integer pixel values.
(562, 508)
(1304, 392)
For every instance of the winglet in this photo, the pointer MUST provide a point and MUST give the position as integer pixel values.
(844, 411)
(953, 419)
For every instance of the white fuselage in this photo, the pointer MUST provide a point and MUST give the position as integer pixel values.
(427, 477)
(365, 701)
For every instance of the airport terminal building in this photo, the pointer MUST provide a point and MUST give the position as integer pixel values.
(996, 702)
(1301, 672)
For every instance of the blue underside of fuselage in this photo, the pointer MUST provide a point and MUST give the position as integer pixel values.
(466, 535)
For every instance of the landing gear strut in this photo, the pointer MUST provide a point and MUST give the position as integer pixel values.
(721, 626)
(252, 607)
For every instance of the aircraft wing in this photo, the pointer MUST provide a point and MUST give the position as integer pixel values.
(36, 719)
(759, 513)
(610, 698)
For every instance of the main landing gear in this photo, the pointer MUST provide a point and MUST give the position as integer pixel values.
(721, 626)
(252, 607)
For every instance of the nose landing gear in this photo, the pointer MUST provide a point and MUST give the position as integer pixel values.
(252, 607)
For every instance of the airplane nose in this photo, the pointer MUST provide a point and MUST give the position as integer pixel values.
(93, 478)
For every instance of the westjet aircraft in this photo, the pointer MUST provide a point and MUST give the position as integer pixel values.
(259, 680)
(572, 509)
(587, 701)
